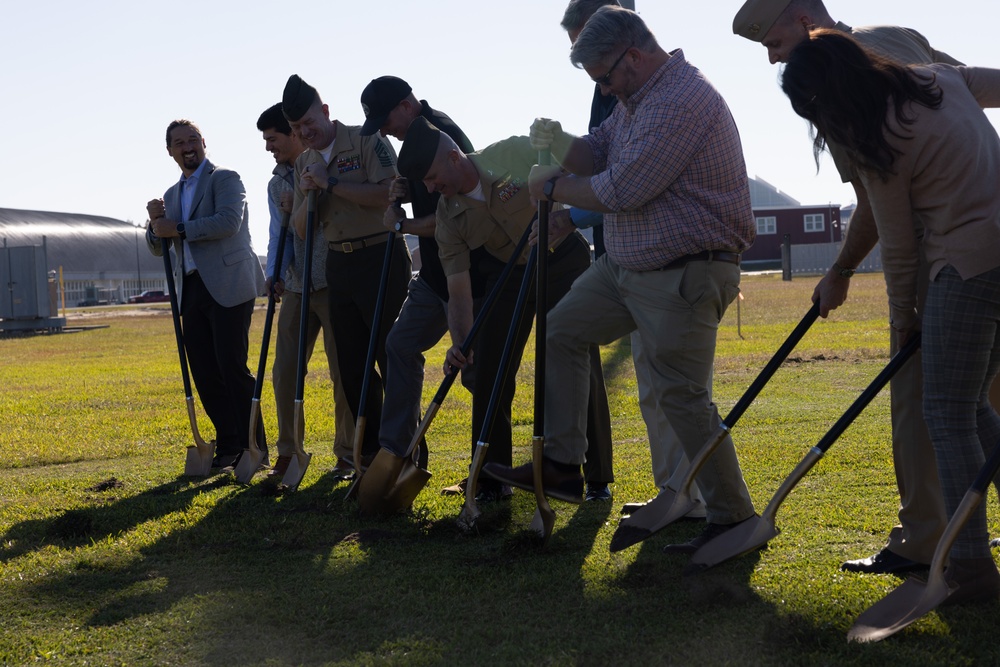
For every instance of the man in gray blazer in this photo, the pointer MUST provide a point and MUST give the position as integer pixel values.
(218, 276)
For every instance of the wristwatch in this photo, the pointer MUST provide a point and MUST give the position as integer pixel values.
(330, 182)
(549, 188)
(844, 273)
(181, 232)
(399, 225)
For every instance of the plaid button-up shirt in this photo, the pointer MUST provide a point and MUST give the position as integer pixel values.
(670, 164)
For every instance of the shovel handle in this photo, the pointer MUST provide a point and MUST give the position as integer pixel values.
(772, 366)
(898, 360)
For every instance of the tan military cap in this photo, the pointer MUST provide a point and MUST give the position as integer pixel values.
(756, 17)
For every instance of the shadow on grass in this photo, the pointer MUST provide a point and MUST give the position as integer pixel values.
(78, 527)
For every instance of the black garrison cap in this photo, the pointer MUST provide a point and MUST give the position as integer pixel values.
(419, 148)
(297, 98)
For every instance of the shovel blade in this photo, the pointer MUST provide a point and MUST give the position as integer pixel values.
(412, 480)
(249, 464)
(378, 481)
(904, 605)
(543, 523)
(199, 460)
(748, 536)
(296, 470)
(652, 517)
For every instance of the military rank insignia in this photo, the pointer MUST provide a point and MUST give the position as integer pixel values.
(508, 188)
(382, 151)
(346, 164)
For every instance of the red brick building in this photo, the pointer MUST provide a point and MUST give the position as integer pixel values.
(778, 214)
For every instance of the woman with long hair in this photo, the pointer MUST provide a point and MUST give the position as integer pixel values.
(930, 160)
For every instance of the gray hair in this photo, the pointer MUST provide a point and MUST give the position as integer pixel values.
(579, 11)
(610, 29)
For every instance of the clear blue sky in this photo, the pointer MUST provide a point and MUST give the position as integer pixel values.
(89, 88)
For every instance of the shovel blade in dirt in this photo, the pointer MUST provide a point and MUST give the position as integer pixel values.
(378, 481)
(199, 460)
(249, 464)
(652, 517)
(545, 515)
(252, 456)
(915, 598)
(412, 480)
(748, 536)
(470, 511)
(296, 470)
(904, 605)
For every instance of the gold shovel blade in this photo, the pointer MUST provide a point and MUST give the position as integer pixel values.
(908, 602)
(296, 470)
(652, 517)
(378, 481)
(412, 480)
(198, 462)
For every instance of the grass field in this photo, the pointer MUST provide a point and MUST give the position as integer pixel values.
(109, 556)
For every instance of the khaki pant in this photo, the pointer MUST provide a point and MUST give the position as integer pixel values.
(285, 362)
(677, 314)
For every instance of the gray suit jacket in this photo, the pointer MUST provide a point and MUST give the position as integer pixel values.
(218, 235)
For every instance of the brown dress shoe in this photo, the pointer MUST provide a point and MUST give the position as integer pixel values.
(556, 483)
(280, 466)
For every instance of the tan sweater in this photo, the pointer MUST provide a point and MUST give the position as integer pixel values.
(946, 181)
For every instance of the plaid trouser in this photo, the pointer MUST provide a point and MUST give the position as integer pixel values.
(961, 354)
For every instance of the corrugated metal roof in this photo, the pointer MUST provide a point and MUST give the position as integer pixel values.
(81, 244)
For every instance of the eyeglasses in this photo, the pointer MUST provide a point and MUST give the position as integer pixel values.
(606, 79)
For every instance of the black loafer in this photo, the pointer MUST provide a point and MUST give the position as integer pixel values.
(884, 562)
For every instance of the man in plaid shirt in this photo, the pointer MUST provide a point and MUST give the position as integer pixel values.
(667, 171)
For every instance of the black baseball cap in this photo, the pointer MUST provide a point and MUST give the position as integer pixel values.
(379, 98)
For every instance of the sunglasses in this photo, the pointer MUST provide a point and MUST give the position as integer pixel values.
(606, 79)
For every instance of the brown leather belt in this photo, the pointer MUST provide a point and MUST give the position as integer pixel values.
(350, 245)
(704, 256)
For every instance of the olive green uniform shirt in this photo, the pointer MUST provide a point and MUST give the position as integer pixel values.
(355, 159)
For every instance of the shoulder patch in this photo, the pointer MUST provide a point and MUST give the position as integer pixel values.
(382, 151)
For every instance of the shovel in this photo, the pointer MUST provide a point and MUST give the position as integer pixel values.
(470, 511)
(300, 458)
(199, 455)
(392, 482)
(252, 457)
(362, 420)
(915, 597)
(756, 531)
(671, 505)
(545, 517)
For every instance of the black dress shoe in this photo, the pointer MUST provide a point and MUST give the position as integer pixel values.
(222, 461)
(711, 531)
(598, 492)
(490, 491)
(884, 562)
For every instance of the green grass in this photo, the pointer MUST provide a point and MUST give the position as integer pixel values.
(159, 569)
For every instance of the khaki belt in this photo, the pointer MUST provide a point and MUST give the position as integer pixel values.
(704, 256)
(350, 245)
